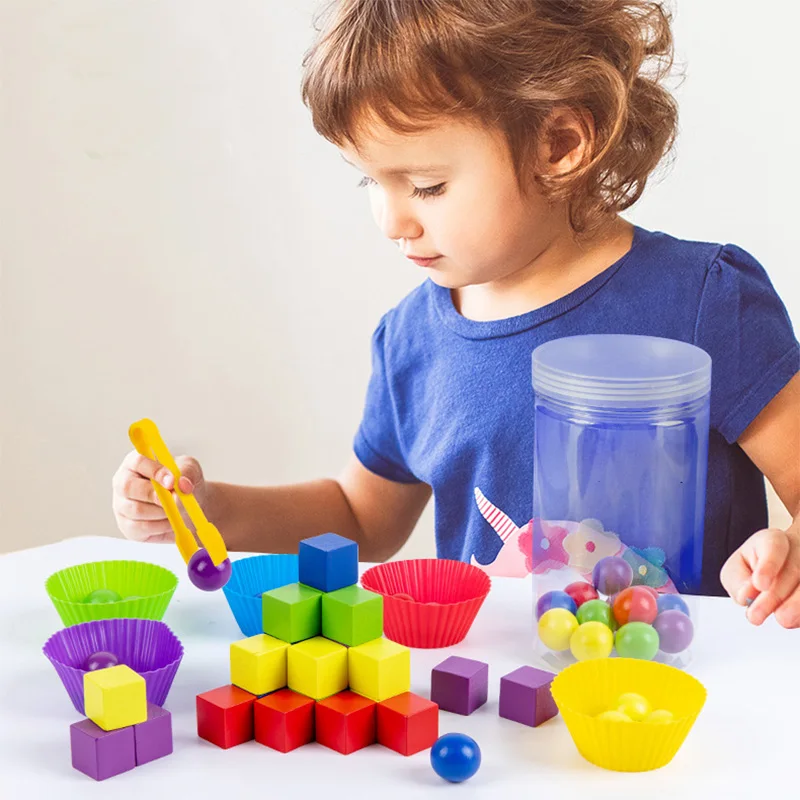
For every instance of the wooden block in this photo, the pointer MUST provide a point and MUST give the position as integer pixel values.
(225, 716)
(258, 664)
(328, 562)
(153, 738)
(345, 722)
(115, 697)
(379, 669)
(317, 667)
(101, 754)
(352, 616)
(292, 613)
(525, 696)
(408, 723)
(284, 720)
(460, 685)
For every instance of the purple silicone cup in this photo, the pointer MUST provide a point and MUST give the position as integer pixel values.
(147, 646)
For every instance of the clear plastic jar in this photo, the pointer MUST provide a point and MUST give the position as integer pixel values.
(620, 461)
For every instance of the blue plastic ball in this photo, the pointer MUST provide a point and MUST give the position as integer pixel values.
(455, 757)
(555, 599)
(668, 602)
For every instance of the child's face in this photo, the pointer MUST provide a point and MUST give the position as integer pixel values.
(450, 194)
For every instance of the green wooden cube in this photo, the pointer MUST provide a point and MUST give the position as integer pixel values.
(352, 616)
(292, 613)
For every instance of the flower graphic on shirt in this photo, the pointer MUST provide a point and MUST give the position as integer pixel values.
(589, 543)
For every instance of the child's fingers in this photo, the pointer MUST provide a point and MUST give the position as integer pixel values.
(736, 577)
(788, 613)
(771, 548)
(781, 588)
(148, 468)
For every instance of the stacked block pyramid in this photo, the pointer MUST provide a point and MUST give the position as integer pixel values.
(321, 670)
(122, 729)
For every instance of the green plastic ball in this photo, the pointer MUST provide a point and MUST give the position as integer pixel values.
(595, 611)
(102, 596)
(637, 640)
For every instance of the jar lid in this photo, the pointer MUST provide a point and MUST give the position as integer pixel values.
(620, 370)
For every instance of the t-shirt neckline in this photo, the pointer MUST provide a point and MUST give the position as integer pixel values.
(474, 329)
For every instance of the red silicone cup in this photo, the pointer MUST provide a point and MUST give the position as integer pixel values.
(446, 597)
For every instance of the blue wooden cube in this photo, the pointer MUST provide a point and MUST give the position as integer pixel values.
(328, 562)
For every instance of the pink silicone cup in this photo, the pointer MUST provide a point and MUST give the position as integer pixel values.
(447, 596)
(147, 646)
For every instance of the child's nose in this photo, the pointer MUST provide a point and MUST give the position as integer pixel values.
(397, 222)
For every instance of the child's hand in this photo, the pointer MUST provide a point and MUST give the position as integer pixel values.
(764, 574)
(138, 512)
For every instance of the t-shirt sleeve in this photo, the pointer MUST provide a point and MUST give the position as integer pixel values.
(745, 328)
(377, 442)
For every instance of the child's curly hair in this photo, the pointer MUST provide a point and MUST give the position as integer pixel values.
(507, 63)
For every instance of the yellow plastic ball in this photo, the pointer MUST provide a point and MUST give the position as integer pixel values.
(556, 627)
(634, 705)
(592, 640)
(613, 716)
(660, 716)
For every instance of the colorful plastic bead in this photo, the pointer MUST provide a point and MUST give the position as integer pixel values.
(206, 575)
(555, 599)
(667, 602)
(455, 757)
(592, 640)
(675, 631)
(596, 611)
(612, 574)
(635, 604)
(634, 706)
(556, 628)
(102, 659)
(581, 592)
(637, 640)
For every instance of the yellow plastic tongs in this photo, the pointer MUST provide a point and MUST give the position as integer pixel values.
(148, 442)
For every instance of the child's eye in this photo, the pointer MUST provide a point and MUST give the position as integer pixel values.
(428, 191)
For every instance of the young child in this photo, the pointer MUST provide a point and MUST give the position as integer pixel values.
(499, 142)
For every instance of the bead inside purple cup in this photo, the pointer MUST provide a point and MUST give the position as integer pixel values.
(102, 659)
(147, 646)
(206, 575)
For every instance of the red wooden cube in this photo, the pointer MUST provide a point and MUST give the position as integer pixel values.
(284, 720)
(408, 723)
(225, 716)
(346, 722)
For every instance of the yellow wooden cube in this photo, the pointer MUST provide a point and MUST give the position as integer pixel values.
(258, 664)
(317, 667)
(115, 697)
(380, 669)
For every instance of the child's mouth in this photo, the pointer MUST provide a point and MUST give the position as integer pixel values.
(424, 262)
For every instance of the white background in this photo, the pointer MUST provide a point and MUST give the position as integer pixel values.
(177, 242)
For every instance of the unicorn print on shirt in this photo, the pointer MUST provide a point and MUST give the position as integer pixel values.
(541, 546)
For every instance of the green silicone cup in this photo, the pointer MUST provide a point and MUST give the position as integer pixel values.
(149, 587)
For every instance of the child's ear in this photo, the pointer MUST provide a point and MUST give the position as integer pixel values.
(566, 140)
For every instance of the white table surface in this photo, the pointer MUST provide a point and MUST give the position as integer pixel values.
(744, 744)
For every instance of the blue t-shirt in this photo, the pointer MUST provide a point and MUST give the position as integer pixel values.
(445, 390)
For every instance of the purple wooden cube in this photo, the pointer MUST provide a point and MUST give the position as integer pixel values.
(153, 738)
(101, 754)
(525, 696)
(460, 685)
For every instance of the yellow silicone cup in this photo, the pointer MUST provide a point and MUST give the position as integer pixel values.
(584, 690)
